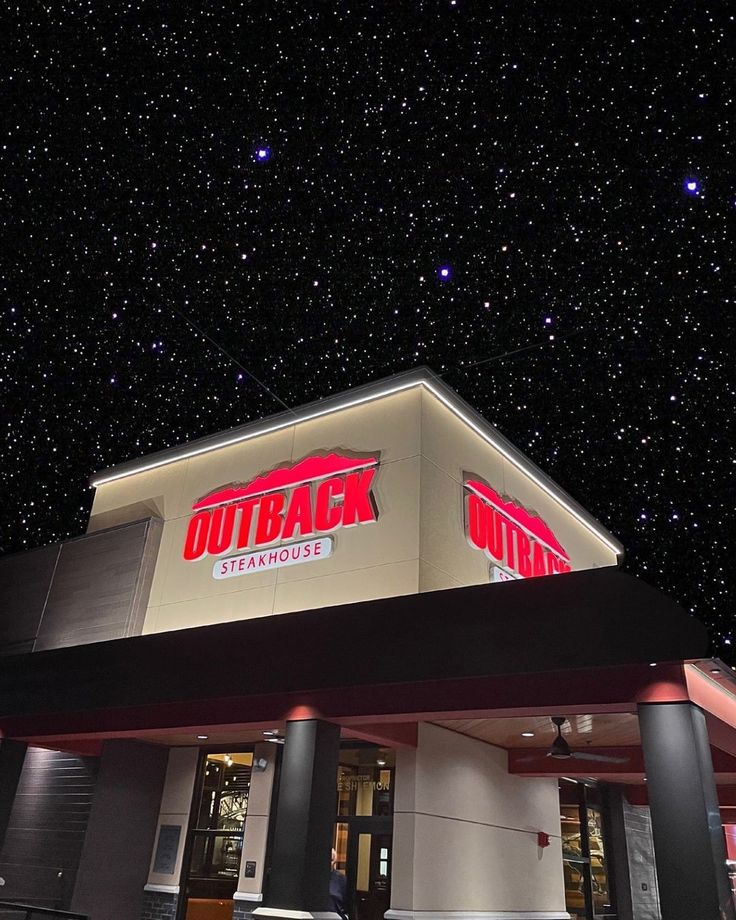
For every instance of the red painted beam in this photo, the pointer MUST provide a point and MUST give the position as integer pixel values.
(553, 693)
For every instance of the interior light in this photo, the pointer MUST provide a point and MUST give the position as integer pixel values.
(652, 664)
(527, 734)
(202, 737)
(381, 763)
(715, 670)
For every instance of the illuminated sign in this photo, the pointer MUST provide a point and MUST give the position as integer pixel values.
(519, 544)
(317, 495)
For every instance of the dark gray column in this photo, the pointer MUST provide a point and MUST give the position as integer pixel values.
(305, 818)
(12, 755)
(120, 835)
(689, 848)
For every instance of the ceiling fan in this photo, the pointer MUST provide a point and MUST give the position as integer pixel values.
(560, 749)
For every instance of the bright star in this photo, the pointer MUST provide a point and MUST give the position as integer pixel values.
(444, 273)
(263, 154)
(692, 186)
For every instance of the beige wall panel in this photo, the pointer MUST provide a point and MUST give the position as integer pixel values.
(254, 848)
(406, 777)
(179, 782)
(402, 861)
(455, 448)
(181, 580)
(169, 550)
(261, 781)
(204, 611)
(432, 579)
(465, 866)
(348, 587)
(159, 490)
(585, 550)
(389, 425)
(238, 463)
(467, 779)
(394, 537)
(467, 831)
(442, 542)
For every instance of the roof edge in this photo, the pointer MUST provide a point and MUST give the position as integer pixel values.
(420, 376)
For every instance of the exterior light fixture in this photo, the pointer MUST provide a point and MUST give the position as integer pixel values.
(527, 734)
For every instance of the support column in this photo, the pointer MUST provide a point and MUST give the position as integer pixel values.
(120, 832)
(12, 755)
(300, 865)
(689, 848)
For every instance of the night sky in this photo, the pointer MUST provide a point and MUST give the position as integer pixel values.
(290, 178)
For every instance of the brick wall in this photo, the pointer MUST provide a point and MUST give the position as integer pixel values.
(159, 905)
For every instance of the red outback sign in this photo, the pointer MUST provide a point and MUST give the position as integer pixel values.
(317, 495)
(510, 536)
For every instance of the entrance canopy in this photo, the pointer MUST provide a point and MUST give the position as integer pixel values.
(581, 644)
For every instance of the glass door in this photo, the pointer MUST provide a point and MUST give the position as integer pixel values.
(216, 837)
(363, 830)
(587, 889)
(364, 857)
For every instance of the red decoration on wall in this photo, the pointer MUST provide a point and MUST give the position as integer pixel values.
(542, 839)
(306, 470)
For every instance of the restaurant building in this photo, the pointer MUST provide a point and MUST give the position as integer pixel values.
(368, 625)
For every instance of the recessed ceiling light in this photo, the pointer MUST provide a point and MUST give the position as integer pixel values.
(527, 734)
(270, 731)
(202, 737)
(715, 670)
(652, 664)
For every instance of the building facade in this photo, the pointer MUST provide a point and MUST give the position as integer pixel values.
(359, 659)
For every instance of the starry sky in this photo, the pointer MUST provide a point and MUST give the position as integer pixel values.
(537, 200)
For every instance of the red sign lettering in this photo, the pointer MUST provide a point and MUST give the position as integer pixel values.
(510, 536)
(315, 496)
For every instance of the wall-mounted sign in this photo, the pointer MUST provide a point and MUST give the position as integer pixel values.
(518, 543)
(167, 846)
(272, 514)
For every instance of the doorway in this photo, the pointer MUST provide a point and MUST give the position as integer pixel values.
(364, 843)
(364, 828)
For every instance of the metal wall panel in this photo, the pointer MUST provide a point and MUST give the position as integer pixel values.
(25, 580)
(40, 856)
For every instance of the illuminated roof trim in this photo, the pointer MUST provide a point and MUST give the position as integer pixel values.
(420, 377)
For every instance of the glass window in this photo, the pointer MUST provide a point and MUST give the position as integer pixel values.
(365, 782)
